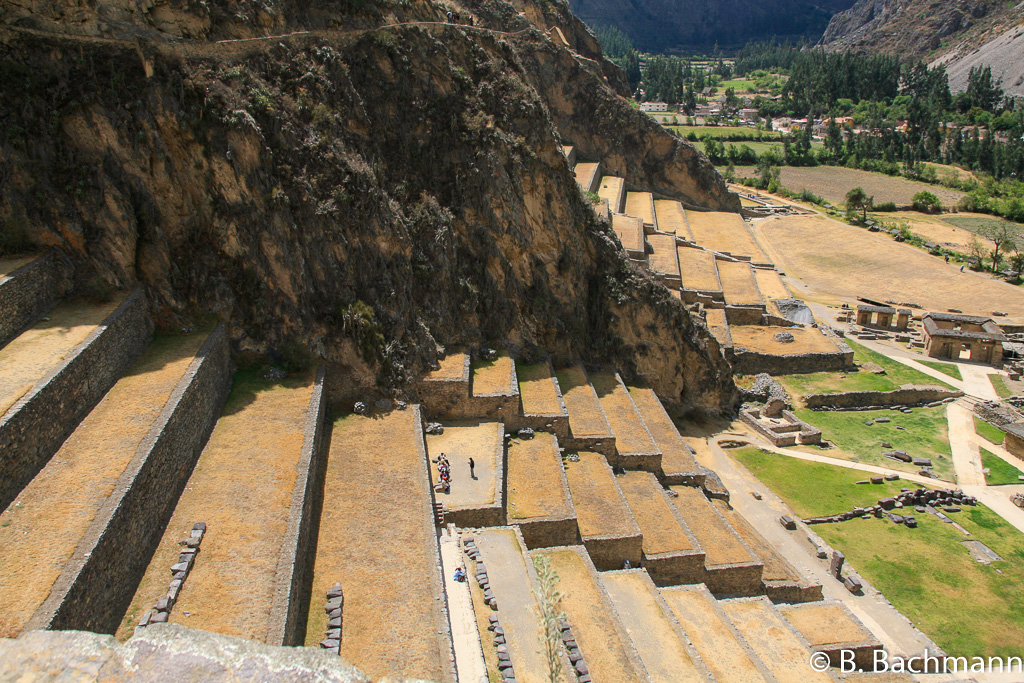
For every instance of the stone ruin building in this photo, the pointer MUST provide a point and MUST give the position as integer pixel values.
(963, 337)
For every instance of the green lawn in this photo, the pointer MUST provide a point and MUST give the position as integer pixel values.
(895, 375)
(999, 471)
(724, 131)
(945, 368)
(988, 431)
(999, 384)
(925, 437)
(968, 609)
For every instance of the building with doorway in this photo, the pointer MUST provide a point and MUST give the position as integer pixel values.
(963, 337)
(883, 317)
(653, 106)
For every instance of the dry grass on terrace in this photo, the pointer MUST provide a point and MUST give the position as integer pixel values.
(377, 538)
(698, 270)
(663, 258)
(773, 640)
(721, 545)
(585, 172)
(775, 567)
(586, 417)
(41, 530)
(535, 484)
(653, 514)
(493, 376)
(675, 456)
(718, 324)
(452, 367)
(771, 285)
(641, 205)
(27, 358)
(723, 231)
(671, 217)
(630, 434)
(824, 624)
(537, 389)
(600, 509)
(840, 262)
(630, 231)
(592, 622)
(242, 488)
(738, 284)
(761, 339)
(611, 188)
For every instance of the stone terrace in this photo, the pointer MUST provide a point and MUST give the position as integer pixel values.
(726, 233)
(588, 425)
(672, 218)
(608, 530)
(587, 175)
(613, 190)
(678, 465)
(478, 501)
(699, 271)
(630, 231)
(663, 259)
(830, 627)
(738, 284)
(641, 205)
(538, 493)
(633, 443)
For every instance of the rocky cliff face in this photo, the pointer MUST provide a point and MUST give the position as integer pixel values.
(359, 196)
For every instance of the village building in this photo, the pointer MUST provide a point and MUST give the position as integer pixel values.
(963, 337)
(653, 106)
(883, 317)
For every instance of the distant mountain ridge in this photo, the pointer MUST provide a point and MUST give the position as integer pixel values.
(659, 25)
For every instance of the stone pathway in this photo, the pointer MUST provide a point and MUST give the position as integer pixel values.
(469, 657)
(963, 444)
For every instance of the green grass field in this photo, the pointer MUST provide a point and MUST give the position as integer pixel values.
(945, 368)
(895, 375)
(999, 471)
(724, 131)
(926, 436)
(987, 431)
(999, 384)
(925, 572)
(977, 224)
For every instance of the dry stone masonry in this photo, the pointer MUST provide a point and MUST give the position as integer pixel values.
(179, 572)
(333, 608)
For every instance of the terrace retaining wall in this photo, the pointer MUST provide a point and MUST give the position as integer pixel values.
(746, 362)
(30, 291)
(298, 551)
(98, 582)
(546, 533)
(34, 428)
(861, 399)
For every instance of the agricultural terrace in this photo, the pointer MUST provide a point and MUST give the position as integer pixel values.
(941, 230)
(833, 182)
(536, 481)
(762, 339)
(722, 231)
(738, 284)
(838, 261)
(770, 283)
(724, 131)
(927, 572)
(698, 270)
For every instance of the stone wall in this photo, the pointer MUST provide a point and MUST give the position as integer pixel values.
(295, 566)
(547, 533)
(98, 583)
(30, 291)
(35, 427)
(751, 362)
(612, 552)
(860, 399)
(792, 592)
(1014, 444)
(676, 568)
(744, 315)
(735, 579)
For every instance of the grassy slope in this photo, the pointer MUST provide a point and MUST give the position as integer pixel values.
(925, 572)
(988, 431)
(999, 384)
(1000, 471)
(945, 368)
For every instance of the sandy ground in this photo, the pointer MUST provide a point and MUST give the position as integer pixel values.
(377, 538)
(641, 205)
(712, 635)
(630, 434)
(537, 391)
(493, 376)
(773, 640)
(760, 338)
(535, 479)
(607, 652)
(824, 623)
(469, 656)
(663, 258)
(675, 457)
(697, 269)
(585, 172)
(835, 262)
(462, 440)
(452, 367)
(42, 528)
(934, 229)
(672, 218)
(242, 489)
(653, 514)
(738, 283)
(720, 543)
(654, 635)
(9, 264)
(600, 508)
(630, 231)
(724, 232)
(28, 357)
(586, 417)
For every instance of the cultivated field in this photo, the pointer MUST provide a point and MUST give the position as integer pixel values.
(833, 182)
(837, 261)
(939, 230)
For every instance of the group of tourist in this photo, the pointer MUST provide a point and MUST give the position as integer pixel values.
(444, 474)
(453, 18)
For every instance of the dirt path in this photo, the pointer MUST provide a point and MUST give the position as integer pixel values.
(517, 606)
(42, 528)
(28, 357)
(469, 656)
(242, 489)
(966, 458)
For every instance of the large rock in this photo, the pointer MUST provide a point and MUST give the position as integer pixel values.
(164, 652)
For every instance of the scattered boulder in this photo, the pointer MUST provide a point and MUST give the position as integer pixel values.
(434, 428)
(526, 433)
(787, 522)
(360, 408)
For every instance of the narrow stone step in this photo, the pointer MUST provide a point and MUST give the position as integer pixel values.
(377, 539)
(634, 447)
(29, 286)
(588, 425)
(730, 567)
(613, 189)
(713, 636)
(671, 218)
(630, 231)
(445, 391)
(242, 489)
(661, 644)
(678, 465)
(781, 581)
(541, 407)
(611, 536)
(477, 500)
(782, 650)
(538, 493)
(671, 553)
(80, 533)
(831, 627)
(588, 174)
(664, 259)
(641, 205)
(603, 641)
